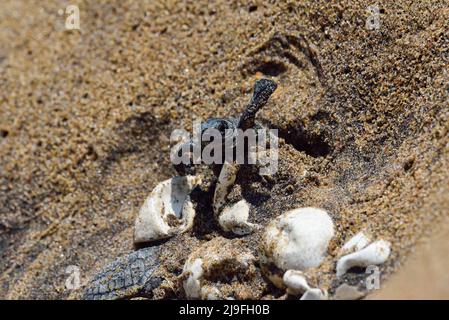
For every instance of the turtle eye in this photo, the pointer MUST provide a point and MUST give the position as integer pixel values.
(222, 126)
(217, 124)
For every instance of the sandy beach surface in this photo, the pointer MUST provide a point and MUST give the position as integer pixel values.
(86, 117)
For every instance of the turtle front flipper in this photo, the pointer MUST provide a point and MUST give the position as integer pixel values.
(263, 89)
(127, 277)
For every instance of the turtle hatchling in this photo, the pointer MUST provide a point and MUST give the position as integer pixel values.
(230, 127)
(136, 274)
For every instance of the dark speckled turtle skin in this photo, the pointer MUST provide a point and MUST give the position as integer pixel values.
(127, 277)
(263, 89)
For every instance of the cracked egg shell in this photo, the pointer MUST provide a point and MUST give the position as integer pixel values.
(374, 254)
(218, 268)
(297, 240)
(235, 219)
(167, 210)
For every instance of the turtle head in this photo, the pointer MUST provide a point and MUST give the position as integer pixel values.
(263, 89)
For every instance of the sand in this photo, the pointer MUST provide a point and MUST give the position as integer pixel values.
(86, 116)
(424, 275)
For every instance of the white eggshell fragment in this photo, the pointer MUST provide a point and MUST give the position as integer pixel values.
(232, 218)
(298, 239)
(295, 281)
(167, 210)
(374, 254)
(225, 182)
(194, 271)
(356, 243)
(314, 294)
(296, 284)
(235, 218)
(205, 268)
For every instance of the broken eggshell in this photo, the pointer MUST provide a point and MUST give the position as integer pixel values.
(297, 240)
(314, 294)
(225, 182)
(356, 243)
(206, 267)
(232, 218)
(297, 284)
(235, 218)
(192, 285)
(167, 210)
(374, 254)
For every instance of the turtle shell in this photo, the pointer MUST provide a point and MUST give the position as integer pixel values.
(127, 277)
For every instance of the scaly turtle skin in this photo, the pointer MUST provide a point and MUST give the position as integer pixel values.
(263, 89)
(127, 277)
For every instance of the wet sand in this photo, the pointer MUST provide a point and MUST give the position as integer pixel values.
(86, 116)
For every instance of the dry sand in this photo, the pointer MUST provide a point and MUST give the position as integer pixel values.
(424, 276)
(86, 116)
